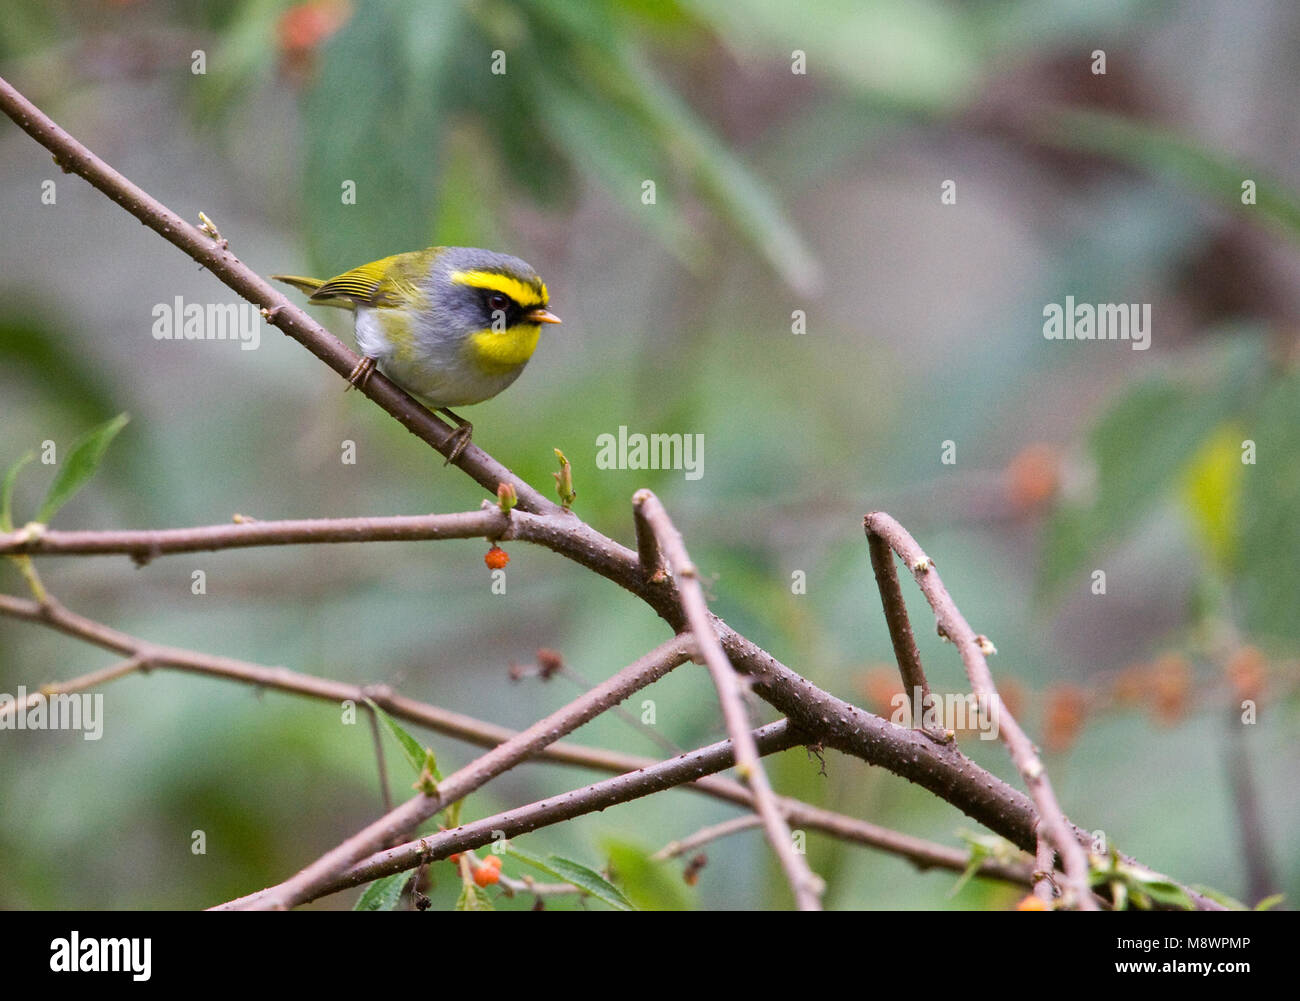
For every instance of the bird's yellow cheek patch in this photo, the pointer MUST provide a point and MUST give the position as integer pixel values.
(500, 352)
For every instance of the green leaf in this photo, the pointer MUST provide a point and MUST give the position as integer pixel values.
(1267, 576)
(82, 461)
(1165, 892)
(383, 894)
(578, 874)
(1212, 494)
(376, 115)
(1218, 896)
(1141, 447)
(650, 885)
(591, 881)
(1268, 903)
(1175, 158)
(473, 899)
(419, 756)
(7, 491)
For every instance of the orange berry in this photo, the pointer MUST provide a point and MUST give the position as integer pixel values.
(1246, 671)
(305, 26)
(454, 858)
(496, 558)
(1066, 708)
(1171, 682)
(1033, 476)
(1013, 695)
(486, 875)
(1032, 903)
(879, 685)
(494, 861)
(1130, 686)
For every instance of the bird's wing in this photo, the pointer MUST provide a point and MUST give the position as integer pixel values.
(391, 281)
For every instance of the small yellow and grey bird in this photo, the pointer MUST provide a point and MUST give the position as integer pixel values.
(450, 325)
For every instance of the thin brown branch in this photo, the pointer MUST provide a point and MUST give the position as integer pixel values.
(1045, 868)
(924, 854)
(598, 796)
(385, 794)
(144, 545)
(971, 647)
(307, 884)
(92, 680)
(807, 886)
(705, 835)
(900, 629)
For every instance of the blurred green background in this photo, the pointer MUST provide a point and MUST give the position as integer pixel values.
(776, 191)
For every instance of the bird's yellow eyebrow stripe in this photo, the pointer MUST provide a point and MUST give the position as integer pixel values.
(520, 292)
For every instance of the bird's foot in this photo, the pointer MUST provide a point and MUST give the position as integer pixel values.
(459, 437)
(360, 374)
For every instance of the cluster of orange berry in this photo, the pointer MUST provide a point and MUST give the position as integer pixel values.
(486, 872)
(1166, 687)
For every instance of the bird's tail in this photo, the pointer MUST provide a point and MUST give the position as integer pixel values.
(307, 285)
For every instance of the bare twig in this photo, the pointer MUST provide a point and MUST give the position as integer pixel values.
(144, 545)
(971, 648)
(385, 795)
(306, 884)
(924, 854)
(806, 885)
(599, 796)
(900, 629)
(706, 834)
(1044, 868)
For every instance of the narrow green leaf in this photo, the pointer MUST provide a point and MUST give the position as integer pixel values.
(1232, 903)
(650, 885)
(591, 881)
(568, 871)
(383, 894)
(473, 899)
(1167, 893)
(419, 756)
(530, 859)
(7, 491)
(1268, 903)
(1267, 574)
(79, 466)
(1173, 157)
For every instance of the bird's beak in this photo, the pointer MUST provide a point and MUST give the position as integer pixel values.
(541, 315)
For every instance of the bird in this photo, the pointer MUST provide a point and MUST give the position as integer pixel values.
(452, 326)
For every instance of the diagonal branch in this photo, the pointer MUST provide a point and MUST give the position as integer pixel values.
(971, 647)
(900, 629)
(644, 671)
(923, 854)
(807, 886)
(663, 775)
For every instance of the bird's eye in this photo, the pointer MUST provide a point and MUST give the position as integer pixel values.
(498, 300)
